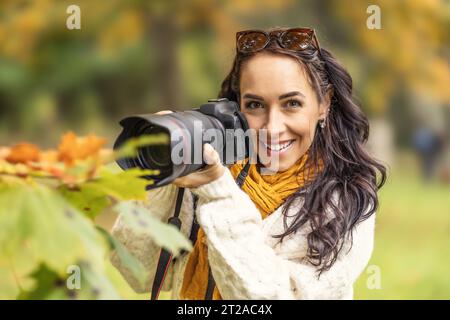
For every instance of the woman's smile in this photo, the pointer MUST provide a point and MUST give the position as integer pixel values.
(272, 148)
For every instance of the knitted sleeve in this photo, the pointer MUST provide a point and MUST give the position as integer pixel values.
(244, 266)
(160, 204)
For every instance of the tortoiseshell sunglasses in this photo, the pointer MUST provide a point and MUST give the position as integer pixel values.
(295, 39)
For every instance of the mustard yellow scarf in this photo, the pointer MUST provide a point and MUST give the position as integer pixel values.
(267, 192)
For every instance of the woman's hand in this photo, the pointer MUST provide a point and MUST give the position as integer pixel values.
(213, 170)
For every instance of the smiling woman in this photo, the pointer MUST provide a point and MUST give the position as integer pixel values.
(349, 172)
(306, 230)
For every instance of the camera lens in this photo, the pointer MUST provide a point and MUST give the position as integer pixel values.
(155, 156)
(186, 132)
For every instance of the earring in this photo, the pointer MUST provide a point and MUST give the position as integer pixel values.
(322, 123)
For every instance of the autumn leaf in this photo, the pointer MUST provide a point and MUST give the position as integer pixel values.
(74, 148)
(48, 202)
(48, 156)
(23, 153)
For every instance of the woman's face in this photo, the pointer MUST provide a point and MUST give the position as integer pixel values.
(275, 95)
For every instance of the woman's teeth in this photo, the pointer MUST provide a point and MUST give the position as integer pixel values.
(279, 147)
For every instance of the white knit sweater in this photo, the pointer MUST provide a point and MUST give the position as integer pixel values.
(246, 262)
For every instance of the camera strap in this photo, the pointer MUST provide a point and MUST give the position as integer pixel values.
(166, 258)
(243, 174)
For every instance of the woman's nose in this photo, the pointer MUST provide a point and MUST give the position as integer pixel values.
(275, 125)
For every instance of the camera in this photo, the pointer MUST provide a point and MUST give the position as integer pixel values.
(218, 122)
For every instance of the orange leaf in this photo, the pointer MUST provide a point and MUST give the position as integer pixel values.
(23, 153)
(74, 148)
(49, 156)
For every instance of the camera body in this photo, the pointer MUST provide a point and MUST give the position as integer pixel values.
(218, 122)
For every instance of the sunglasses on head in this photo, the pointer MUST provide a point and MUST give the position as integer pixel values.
(295, 39)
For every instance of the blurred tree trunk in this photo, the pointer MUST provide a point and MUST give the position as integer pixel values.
(163, 35)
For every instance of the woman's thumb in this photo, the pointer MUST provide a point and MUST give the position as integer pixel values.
(210, 156)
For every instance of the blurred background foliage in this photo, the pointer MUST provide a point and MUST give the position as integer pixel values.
(139, 56)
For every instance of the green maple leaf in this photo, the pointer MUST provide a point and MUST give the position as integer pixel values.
(40, 227)
(94, 196)
(125, 185)
(139, 219)
(49, 285)
(88, 199)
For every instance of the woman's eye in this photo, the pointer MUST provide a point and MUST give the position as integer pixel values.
(294, 104)
(253, 105)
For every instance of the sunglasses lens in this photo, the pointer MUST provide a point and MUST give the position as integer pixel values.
(251, 41)
(296, 40)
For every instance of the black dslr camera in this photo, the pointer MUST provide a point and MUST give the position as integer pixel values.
(218, 122)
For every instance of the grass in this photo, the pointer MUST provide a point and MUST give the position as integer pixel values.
(412, 240)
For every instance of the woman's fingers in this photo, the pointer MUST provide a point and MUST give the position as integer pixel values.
(212, 171)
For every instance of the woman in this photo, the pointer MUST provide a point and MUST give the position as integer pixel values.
(304, 232)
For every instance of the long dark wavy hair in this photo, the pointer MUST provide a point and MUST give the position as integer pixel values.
(348, 184)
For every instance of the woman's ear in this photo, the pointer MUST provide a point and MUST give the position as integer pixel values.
(324, 106)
